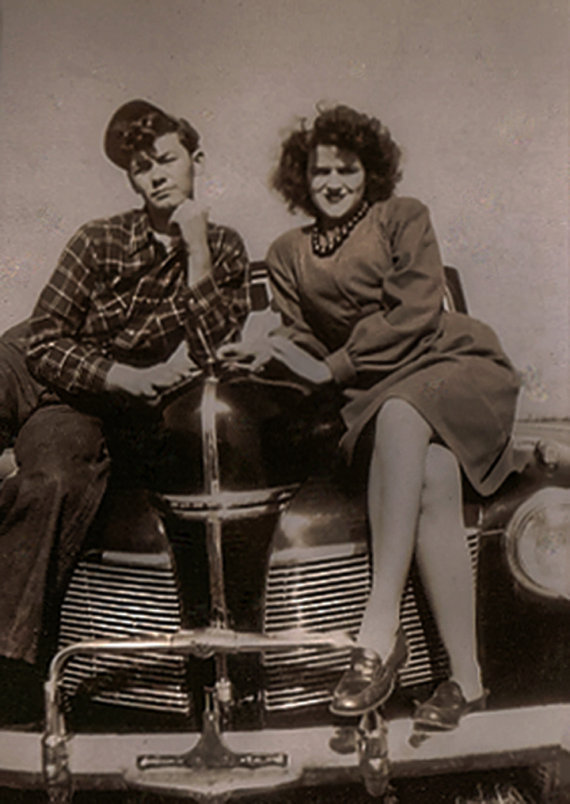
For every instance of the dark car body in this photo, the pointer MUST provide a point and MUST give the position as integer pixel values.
(204, 628)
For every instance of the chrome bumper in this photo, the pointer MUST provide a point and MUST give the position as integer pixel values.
(504, 738)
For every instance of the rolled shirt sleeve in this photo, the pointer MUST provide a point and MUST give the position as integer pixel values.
(115, 297)
(56, 356)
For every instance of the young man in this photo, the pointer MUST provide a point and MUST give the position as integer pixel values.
(136, 302)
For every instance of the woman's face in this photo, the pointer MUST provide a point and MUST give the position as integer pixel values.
(337, 181)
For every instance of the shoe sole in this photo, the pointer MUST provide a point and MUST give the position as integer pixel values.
(479, 705)
(430, 726)
(362, 711)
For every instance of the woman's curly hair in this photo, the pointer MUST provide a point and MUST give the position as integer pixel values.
(347, 129)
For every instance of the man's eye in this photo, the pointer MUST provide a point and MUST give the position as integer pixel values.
(140, 167)
(164, 160)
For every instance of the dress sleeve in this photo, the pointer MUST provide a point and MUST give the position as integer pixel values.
(412, 299)
(280, 259)
(56, 356)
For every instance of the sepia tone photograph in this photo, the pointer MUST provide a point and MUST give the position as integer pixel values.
(284, 413)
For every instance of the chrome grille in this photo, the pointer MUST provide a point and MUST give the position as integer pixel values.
(113, 601)
(330, 593)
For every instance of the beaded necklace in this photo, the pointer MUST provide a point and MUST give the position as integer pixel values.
(336, 236)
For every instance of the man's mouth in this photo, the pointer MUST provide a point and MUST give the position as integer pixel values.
(159, 194)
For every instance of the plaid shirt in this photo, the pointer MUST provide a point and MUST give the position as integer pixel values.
(117, 295)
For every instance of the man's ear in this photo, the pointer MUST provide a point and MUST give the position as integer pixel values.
(132, 183)
(199, 159)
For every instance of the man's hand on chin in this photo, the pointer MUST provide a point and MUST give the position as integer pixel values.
(191, 218)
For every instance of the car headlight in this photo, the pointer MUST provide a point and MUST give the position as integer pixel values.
(538, 543)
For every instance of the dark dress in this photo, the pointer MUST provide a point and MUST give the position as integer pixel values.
(374, 311)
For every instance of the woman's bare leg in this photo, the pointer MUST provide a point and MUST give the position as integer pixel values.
(445, 566)
(394, 489)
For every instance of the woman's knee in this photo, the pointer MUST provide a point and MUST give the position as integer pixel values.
(442, 481)
(398, 419)
(392, 414)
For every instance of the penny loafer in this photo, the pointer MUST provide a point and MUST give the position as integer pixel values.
(446, 707)
(369, 681)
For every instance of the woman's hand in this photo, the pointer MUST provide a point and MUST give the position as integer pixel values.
(251, 354)
(149, 382)
(253, 350)
(299, 361)
(254, 353)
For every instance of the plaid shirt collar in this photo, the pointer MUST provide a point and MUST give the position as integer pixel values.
(142, 235)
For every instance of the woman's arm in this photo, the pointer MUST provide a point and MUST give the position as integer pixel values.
(293, 343)
(280, 263)
(412, 298)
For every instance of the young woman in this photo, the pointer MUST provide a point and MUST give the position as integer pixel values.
(361, 296)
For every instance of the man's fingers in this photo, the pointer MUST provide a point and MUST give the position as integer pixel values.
(188, 210)
(180, 361)
(235, 354)
(227, 353)
(199, 197)
(184, 210)
(258, 362)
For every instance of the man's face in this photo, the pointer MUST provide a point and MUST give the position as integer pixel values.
(164, 176)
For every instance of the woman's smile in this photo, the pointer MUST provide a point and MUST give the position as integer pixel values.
(337, 181)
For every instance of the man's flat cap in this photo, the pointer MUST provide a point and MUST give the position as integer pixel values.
(134, 125)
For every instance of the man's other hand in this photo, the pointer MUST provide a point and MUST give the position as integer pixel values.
(149, 382)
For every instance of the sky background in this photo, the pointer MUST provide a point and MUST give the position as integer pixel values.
(475, 92)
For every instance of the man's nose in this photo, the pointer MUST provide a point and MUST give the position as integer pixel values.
(157, 175)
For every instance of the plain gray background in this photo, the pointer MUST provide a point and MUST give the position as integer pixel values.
(475, 91)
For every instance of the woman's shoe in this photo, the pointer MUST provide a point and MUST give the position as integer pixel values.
(369, 681)
(446, 707)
